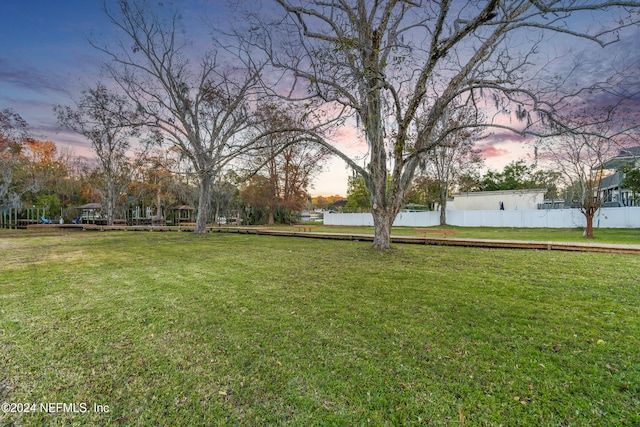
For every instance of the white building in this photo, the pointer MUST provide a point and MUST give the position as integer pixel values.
(498, 200)
(612, 192)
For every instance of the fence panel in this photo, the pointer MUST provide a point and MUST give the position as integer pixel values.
(417, 219)
(624, 217)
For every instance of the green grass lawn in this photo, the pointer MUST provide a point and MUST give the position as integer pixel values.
(227, 329)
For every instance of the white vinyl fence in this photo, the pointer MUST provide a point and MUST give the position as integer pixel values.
(626, 217)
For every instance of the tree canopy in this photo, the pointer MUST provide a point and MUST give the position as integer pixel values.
(518, 175)
(384, 64)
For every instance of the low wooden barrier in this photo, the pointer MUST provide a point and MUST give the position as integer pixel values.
(479, 243)
(444, 231)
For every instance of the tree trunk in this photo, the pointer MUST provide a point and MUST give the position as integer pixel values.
(159, 215)
(204, 204)
(443, 193)
(443, 213)
(383, 214)
(271, 217)
(382, 224)
(383, 208)
(111, 196)
(588, 232)
(443, 206)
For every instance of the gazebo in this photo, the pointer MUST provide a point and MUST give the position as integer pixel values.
(89, 213)
(183, 214)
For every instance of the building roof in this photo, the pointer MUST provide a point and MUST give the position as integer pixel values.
(626, 155)
(501, 192)
(612, 181)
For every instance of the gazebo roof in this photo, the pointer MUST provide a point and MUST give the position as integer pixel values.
(90, 206)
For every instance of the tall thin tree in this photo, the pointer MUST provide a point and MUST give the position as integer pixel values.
(103, 118)
(455, 156)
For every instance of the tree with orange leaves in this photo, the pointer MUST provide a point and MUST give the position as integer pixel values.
(286, 163)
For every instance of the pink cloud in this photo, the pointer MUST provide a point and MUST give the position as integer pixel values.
(491, 151)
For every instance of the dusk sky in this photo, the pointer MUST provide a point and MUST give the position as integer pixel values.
(46, 59)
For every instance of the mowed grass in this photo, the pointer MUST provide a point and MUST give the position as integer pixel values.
(228, 329)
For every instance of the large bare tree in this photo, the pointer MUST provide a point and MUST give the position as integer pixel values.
(201, 107)
(387, 62)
